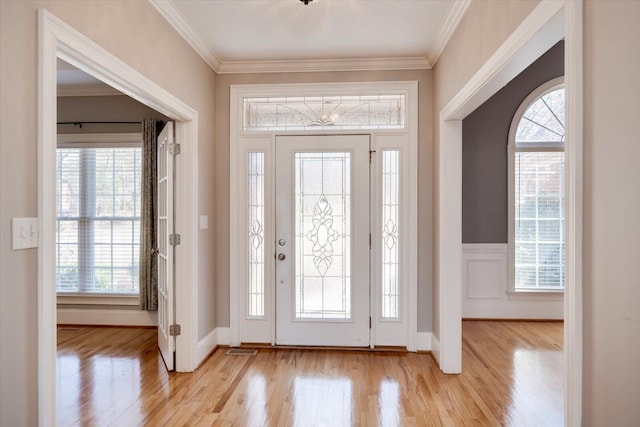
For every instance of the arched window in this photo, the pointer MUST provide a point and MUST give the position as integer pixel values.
(537, 191)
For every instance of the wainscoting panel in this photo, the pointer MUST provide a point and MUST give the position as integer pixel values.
(485, 288)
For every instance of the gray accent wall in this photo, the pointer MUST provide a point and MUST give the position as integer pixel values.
(111, 108)
(485, 135)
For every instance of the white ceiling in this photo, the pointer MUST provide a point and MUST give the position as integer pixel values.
(74, 82)
(286, 35)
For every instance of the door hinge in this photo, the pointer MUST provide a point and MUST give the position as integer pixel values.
(174, 239)
(369, 322)
(369, 240)
(174, 330)
(371, 154)
(174, 149)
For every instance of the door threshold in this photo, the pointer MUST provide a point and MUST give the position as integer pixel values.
(376, 349)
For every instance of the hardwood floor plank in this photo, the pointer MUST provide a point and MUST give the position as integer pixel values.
(512, 375)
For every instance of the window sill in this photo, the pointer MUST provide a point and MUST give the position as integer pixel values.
(97, 299)
(536, 294)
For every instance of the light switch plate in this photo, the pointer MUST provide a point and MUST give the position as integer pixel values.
(204, 222)
(24, 233)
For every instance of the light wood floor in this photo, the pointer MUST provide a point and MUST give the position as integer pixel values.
(512, 375)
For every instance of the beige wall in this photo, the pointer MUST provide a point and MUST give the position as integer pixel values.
(611, 261)
(424, 172)
(484, 27)
(134, 32)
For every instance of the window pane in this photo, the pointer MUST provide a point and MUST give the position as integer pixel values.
(539, 220)
(543, 121)
(390, 234)
(98, 227)
(322, 235)
(324, 112)
(256, 217)
(68, 183)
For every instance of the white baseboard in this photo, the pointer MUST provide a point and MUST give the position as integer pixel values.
(206, 345)
(85, 316)
(435, 348)
(219, 336)
(424, 341)
(537, 310)
(224, 336)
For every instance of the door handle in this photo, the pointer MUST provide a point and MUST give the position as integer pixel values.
(281, 256)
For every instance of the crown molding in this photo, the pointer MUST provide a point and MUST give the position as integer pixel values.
(324, 65)
(87, 91)
(172, 15)
(456, 14)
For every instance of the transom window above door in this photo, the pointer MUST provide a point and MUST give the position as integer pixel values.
(348, 112)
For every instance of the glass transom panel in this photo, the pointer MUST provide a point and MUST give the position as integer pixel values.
(323, 235)
(324, 112)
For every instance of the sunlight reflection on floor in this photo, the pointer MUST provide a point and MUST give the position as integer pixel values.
(322, 401)
(533, 374)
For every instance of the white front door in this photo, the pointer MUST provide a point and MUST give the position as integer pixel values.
(322, 240)
(166, 342)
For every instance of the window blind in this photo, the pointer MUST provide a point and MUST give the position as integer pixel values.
(539, 219)
(98, 219)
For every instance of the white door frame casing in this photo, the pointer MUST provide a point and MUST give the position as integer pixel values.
(59, 40)
(241, 141)
(548, 23)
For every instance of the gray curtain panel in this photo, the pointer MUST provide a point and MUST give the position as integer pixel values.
(148, 218)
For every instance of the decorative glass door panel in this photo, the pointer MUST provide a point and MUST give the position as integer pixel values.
(323, 237)
(322, 240)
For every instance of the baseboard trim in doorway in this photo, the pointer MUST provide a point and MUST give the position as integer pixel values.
(219, 337)
(424, 341)
(106, 317)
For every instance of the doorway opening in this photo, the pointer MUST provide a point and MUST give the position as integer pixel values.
(545, 26)
(60, 41)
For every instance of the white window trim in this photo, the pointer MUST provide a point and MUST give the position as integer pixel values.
(82, 140)
(511, 152)
(238, 151)
(75, 298)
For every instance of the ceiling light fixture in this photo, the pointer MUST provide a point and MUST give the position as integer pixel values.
(306, 2)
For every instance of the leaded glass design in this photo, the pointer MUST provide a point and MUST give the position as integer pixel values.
(539, 194)
(255, 222)
(390, 234)
(323, 235)
(324, 112)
